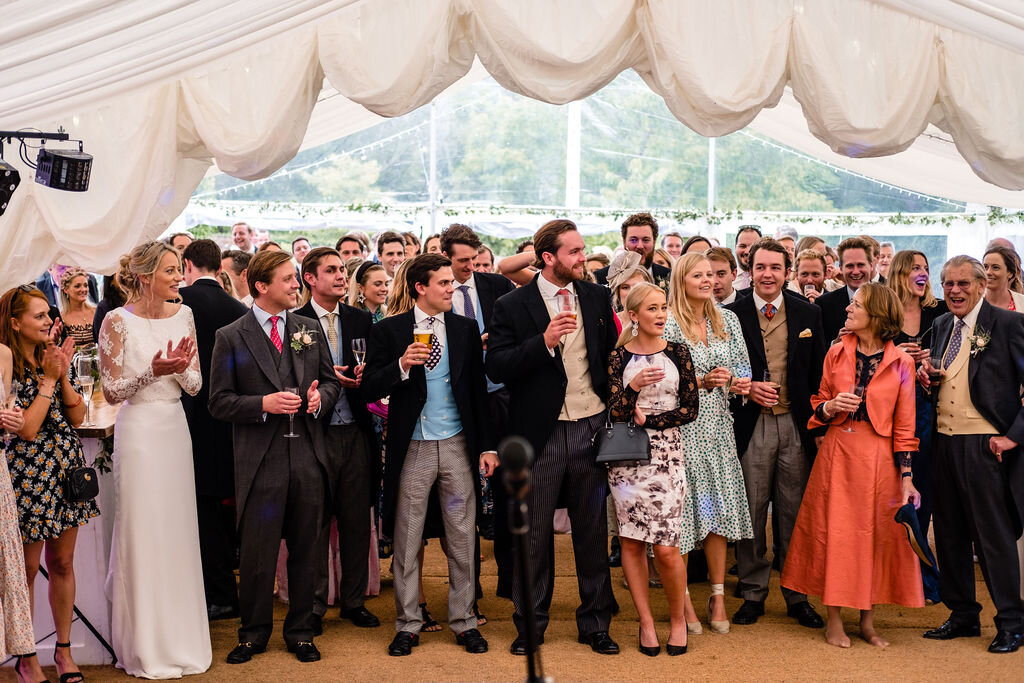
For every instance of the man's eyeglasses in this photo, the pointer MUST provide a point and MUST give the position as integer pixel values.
(959, 284)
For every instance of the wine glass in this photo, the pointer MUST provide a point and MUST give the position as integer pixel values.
(653, 395)
(858, 391)
(291, 416)
(359, 350)
(86, 380)
(935, 369)
(7, 402)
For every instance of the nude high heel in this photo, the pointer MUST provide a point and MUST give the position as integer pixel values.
(717, 626)
(693, 627)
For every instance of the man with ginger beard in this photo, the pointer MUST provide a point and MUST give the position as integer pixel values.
(553, 362)
(856, 258)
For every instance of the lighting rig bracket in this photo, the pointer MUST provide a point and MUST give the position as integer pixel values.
(61, 169)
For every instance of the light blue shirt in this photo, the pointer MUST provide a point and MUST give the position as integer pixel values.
(263, 318)
(342, 414)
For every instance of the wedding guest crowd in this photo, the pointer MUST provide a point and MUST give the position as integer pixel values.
(795, 401)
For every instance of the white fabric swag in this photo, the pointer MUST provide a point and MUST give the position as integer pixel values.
(160, 89)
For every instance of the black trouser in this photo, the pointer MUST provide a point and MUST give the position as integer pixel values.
(503, 541)
(348, 463)
(217, 551)
(973, 505)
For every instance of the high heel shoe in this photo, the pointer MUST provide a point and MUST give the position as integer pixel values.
(693, 627)
(674, 650)
(17, 666)
(717, 626)
(652, 651)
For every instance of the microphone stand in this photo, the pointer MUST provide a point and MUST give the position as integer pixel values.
(518, 514)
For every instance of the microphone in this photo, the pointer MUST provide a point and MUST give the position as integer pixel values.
(516, 456)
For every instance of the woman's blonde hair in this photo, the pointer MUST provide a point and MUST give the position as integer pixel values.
(142, 261)
(634, 300)
(359, 279)
(65, 281)
(399, 299)
(687, 311)
(900, 267)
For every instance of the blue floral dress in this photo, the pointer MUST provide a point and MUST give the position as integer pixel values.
(35, 468)
(716, 498)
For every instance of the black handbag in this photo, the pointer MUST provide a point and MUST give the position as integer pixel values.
(622, 443)
(80, 484)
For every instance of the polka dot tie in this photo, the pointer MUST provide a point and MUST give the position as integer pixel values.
(435, 348)
(954, 344)
(769, 311)
(275, 336)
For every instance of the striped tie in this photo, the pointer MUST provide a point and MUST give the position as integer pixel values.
(275, 336)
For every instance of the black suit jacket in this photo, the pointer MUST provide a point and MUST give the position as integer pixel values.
(833, 311)
(355, 324)
(660, 273)
(490, 287)
(995, 376)
(804, 361)
(536, 380)
(382, 377)
(212, 454)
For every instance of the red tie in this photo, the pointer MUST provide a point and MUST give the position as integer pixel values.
(275, 337)
(769, 311)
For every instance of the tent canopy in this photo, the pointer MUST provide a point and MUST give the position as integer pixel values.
(160, 89)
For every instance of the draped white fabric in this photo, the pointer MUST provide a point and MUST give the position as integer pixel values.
(160, 88)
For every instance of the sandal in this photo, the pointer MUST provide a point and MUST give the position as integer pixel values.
(430, 625)
(70, 676)
(480, 619)
(17, 665)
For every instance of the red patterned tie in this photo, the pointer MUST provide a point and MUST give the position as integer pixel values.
(769, 311)
(275, 336)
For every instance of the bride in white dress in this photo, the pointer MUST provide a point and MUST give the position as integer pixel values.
(155, 581)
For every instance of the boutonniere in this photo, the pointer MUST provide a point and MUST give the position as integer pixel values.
(979, 340)
(301, 340)
(663, 283)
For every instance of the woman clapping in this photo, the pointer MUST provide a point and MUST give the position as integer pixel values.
(652, 383)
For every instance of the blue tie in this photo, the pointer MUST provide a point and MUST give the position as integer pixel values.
(954, 344)
(467, 303)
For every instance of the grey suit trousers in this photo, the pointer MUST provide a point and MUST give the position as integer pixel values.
(447, 463)
(775, 469)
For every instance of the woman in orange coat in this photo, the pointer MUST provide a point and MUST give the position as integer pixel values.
(846, 546)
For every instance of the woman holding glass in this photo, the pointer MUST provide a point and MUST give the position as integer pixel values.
(42, 451)
(155, 581)
(909, 279)
(716, 509)
(652, 383)
(846, 546)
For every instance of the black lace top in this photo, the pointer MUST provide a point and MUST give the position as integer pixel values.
(622, 398)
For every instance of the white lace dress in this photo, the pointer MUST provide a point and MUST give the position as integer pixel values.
(155, 580)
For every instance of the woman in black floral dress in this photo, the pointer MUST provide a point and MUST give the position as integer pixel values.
(41, 451)
(652, 383)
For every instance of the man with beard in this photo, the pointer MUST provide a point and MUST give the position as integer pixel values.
(856, 259)
(745, 238)
(552, 357)
(640, 234)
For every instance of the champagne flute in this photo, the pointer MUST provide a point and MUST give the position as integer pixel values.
(857, 391)
(652, 389)
(7, 403)
(291, 416)
(359, 350)
(83, 369)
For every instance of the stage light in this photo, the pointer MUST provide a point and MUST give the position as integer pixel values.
(9, 180)
(64, 169)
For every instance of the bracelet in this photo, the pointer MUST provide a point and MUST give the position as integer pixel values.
(75, 404)
(904, 475)
(47, 397)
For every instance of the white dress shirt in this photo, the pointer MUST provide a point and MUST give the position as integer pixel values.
(439, 332)
(549, 293)
(760, 303)
(459, 299)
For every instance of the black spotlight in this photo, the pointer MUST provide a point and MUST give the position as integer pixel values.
(63, 169)
(9, 180)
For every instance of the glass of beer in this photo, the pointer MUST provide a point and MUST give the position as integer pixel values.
(567, 303)
(422, 333)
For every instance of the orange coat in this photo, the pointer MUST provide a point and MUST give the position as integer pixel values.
(893, 380)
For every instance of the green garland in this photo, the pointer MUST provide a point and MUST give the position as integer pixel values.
(303, 210)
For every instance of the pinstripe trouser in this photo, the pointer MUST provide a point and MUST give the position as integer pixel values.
(565, 470)
(447, 463)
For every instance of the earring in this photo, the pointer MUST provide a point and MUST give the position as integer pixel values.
(636, 328)
(361, 299)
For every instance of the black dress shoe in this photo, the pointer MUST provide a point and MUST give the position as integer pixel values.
(215, 612)
(805, 615)
(951, 629)
(305, 651)
(600, 642)
(243, 652)
(361, 617)
(615, 557)
(403, 644)
(749, 612)
(518, 646)
(472, 640)
(1005, 641)
(318, 625)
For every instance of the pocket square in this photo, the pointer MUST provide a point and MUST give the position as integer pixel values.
(806, 333)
